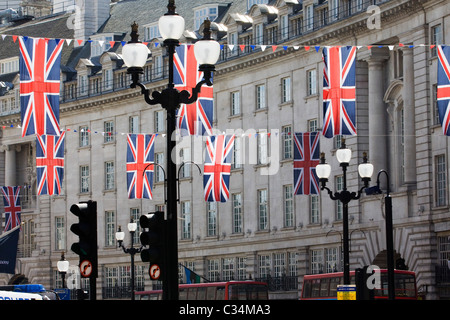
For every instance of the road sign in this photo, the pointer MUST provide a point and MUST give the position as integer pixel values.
(86, 268)
(154, 271)
(346, 292)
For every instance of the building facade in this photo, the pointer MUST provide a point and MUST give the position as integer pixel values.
(267, 86)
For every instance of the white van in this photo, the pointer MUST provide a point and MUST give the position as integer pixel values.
(11, 295)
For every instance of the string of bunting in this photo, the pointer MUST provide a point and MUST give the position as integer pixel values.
(103, 133)
(231, 47)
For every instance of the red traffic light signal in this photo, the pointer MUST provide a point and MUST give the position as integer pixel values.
(86, 230)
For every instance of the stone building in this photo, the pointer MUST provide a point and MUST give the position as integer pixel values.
(267, 86)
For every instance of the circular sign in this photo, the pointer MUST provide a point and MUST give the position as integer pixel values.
(86, 268)
(154, 271)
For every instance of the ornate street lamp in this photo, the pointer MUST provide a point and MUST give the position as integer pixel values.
(323, 171)
(120, 235)
(63, 266)
(135, 54)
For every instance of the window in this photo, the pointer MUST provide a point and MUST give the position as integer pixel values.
(110, 228)
(262, 148)
(260, 97)
(227, 269)
(84, 179)
(237, 153)
(284, 26)
(211, 212)
(235, 103)
(108, 131)
(152, 32)
(84, 136)
(200, 14)
(185, 157)
(157, 66)
(9, 65)
(233, 41)
(334, 9)
(259, 34)
(108, 79)
(133, 124)
(185, 220)
(436, 119)
(60, 239)
(312, 125)
(135, 214)
(436, 38)
(309, 17)
(237, 212)
(339, 181)
(286, 137)
(159, 121)
(159, 173)
(109, 175)
(288, 207)
(285, 89)
(250, 3)
(264, 264)
(316, 261)
(313, 209)
(82, 84)
(279, 264)
(441, 181)
(263, 222)
(312, 82)
(213, 269)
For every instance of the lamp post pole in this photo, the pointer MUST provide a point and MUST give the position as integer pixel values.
(135, 54)
(131, 251)
(323, 171)
(389, 238)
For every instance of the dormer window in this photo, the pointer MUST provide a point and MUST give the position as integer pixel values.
(9, 65)
(250, 3)
(151, 32)
(204, 12)
(100, 44)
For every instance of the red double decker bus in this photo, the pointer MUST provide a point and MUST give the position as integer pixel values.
(229, 290)
(324, 286)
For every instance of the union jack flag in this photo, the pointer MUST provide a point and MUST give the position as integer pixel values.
(306, 158)
(140, 165)
(443, 87)
(195, 118)
(13, 209)
(50, 163)
(39, 85)
(339, 94)
(217, 167)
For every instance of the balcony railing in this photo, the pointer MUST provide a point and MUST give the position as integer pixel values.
(122, 292)
(283, 283)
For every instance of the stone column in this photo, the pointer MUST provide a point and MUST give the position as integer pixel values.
(409, 151)
(377, 110)
(10, 164)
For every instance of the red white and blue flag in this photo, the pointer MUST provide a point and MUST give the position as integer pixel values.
(306, 158)
(50, 163)
(195, 118)
(443, 87)
(217, 167)
(39, 85)
(339, 94)
(11, 200)
(140, 165)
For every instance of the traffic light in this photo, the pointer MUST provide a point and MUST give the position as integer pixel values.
(86, 230)
(153, 231)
